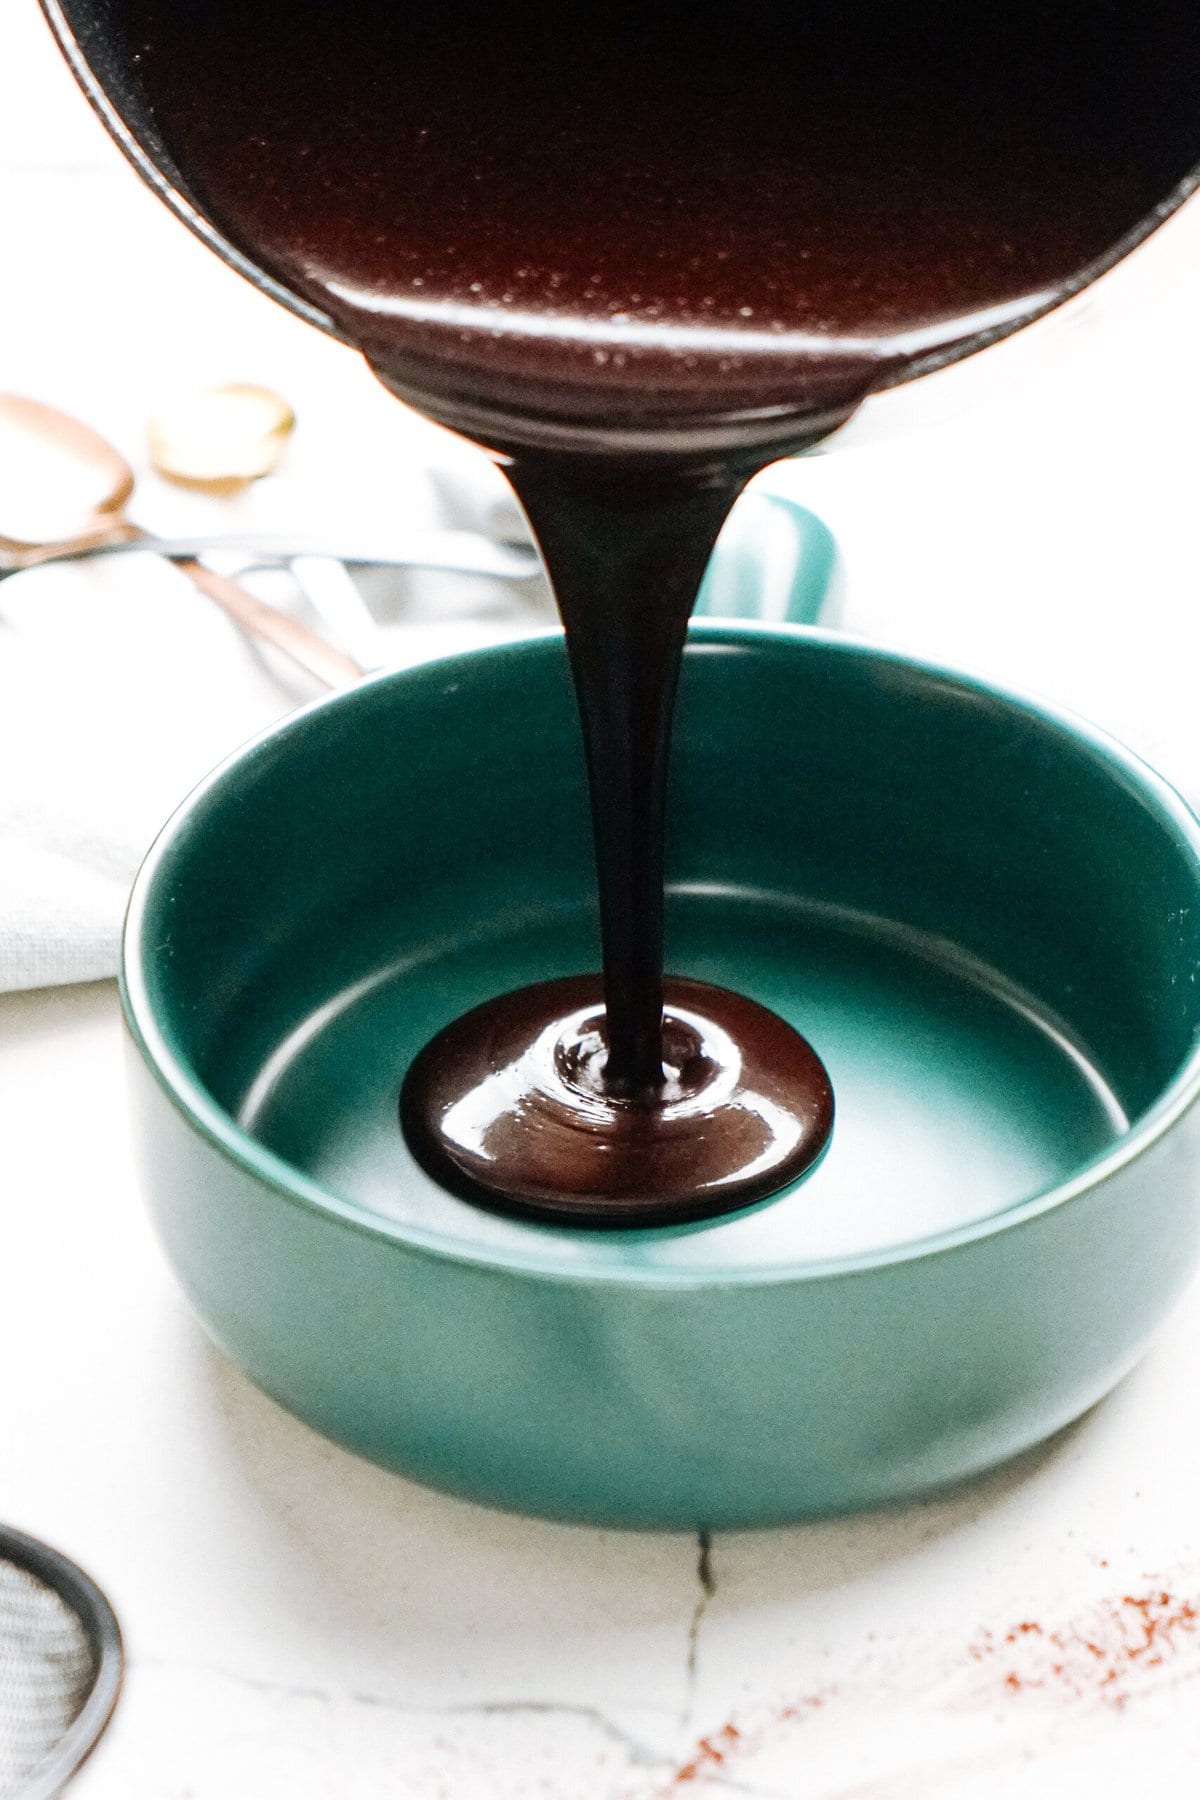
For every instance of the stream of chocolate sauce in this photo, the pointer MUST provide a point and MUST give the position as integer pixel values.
(639, 254)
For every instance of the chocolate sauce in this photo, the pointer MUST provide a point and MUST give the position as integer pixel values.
(499, 1102)
(639, 257)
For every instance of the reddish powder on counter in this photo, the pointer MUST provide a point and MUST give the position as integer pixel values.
(711, 1750)
(1105, 1655)
(1100, 1655)
(714, 1751)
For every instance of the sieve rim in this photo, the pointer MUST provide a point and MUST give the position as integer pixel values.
(78, 1591)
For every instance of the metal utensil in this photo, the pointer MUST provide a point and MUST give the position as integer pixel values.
(220, 440)
(61, 1662)
(457, 552)
(63, 487)
(332, 592)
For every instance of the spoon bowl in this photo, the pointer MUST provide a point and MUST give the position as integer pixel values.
(65, 489)
(60, 481)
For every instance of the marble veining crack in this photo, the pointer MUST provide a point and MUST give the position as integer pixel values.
(286, 1690)
(708, 1587)
(641, 1754)
(638, 1752)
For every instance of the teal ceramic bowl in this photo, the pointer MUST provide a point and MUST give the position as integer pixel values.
(984, 914)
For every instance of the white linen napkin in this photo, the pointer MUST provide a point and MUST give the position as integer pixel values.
(121, 686)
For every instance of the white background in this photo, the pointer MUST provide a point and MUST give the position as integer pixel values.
(301, 1624)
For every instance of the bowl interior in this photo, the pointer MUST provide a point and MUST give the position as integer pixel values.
(986, 918)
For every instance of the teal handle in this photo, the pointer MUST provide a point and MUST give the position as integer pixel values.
(774, 561)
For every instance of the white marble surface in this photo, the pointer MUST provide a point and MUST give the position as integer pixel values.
(301, 1624)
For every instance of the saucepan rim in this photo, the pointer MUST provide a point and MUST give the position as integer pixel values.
(161, 183)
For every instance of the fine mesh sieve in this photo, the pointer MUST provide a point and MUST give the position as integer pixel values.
(60, 1667)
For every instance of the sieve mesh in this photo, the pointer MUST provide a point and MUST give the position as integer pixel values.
(59, 1668)
(47, 1668)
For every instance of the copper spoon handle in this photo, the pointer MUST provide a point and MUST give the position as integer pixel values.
(319, 658)
(331, 666)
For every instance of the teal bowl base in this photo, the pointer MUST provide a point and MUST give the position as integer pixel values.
(956, 1097)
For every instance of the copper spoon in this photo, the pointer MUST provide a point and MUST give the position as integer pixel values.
(63, 485)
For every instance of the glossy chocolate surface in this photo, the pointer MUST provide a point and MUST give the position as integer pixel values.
(511, 1104)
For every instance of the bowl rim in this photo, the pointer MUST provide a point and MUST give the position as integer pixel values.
(213, 1124)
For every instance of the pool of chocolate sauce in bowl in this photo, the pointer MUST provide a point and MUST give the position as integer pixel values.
(640, 255)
